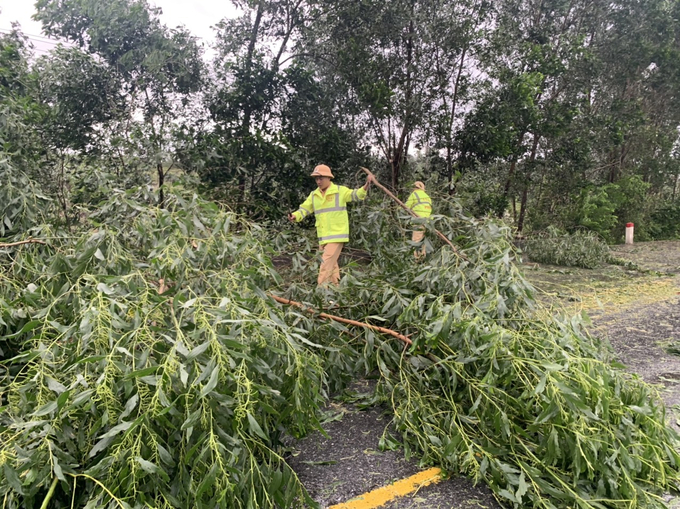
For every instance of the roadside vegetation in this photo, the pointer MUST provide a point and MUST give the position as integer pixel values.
(143, 192)
(580, 249)
(144, 363)
(571, 123)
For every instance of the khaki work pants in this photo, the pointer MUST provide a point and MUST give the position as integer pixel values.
(329, 271)
(418, 236)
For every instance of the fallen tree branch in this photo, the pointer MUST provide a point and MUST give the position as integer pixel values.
(28, 241)
(340, 319)
(403, 206)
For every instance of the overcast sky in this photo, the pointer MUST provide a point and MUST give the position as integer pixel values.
(197, 15)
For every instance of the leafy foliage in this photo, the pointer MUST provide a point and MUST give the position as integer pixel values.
(79, 94)
(666, 221)
(22, 206)
(19, 108)
(153, 370)
(579, 249)
(530, 404)
(531, 410)
(142, 363)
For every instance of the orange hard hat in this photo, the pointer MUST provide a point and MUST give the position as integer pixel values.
(322, 171)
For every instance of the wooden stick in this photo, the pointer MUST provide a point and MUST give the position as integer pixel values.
(340, 319)
(403, 206)
(29, 241)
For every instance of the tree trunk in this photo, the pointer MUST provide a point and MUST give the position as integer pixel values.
(61, 187)
(449, 169)
(454, 101)
(525, 192)
(247, 111)
(506, 189)
(523, 207)
(399, 155)
(511, 173)
(161, 181)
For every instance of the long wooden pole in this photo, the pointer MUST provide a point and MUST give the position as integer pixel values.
(403, 206)
(340, 319)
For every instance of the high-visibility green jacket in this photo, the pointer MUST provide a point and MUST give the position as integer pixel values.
(420, 203)
(330, 211)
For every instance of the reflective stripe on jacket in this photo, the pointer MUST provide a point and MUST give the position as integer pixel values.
(420, 203)
(330, 211)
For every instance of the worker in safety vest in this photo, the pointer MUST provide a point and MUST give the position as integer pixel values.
(421, 204)
(328, 203)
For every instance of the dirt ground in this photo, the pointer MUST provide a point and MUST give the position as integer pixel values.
(633, 303)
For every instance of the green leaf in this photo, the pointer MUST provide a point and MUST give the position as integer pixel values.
(141, 372)
(152, 468)
(56, 468)
(104, 288)
(55, 385)
(62, 399)
(130, 406)
(34, 324)
(165, 456)
(123, 426)
(13, 479)
(183, 375)
(195, 352)
(507, 495)
(45, 409)
(541, 385)
(192, 420)
(207, 482)
(255, 427)
(212, 382)
(100, 446)
(522, 487)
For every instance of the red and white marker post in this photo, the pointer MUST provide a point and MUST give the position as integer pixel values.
(629, 232)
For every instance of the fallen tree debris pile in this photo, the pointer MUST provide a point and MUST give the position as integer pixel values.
(143, 364)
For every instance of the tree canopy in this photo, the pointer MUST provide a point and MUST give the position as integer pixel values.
(551, 104)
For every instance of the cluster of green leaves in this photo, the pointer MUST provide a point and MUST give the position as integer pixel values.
(563, 104)
(528, 403)
(606, 209)
(530, 409)
(152, 370)
(149, 368)
(666, 221)
(22, 205)
(579, 249)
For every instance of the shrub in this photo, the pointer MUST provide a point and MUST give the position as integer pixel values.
(666, 221)
(579, 249)
(22, 206)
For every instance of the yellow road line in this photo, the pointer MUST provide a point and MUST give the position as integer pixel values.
(381, 496)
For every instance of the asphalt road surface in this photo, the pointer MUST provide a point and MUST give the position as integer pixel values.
(349, 463)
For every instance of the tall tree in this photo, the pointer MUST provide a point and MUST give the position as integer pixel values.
(636, 86)
(405, 65)
(273, 116)
(160, 68)
(457, 34)
(244, 99)
(79, 97)
(19, 109)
